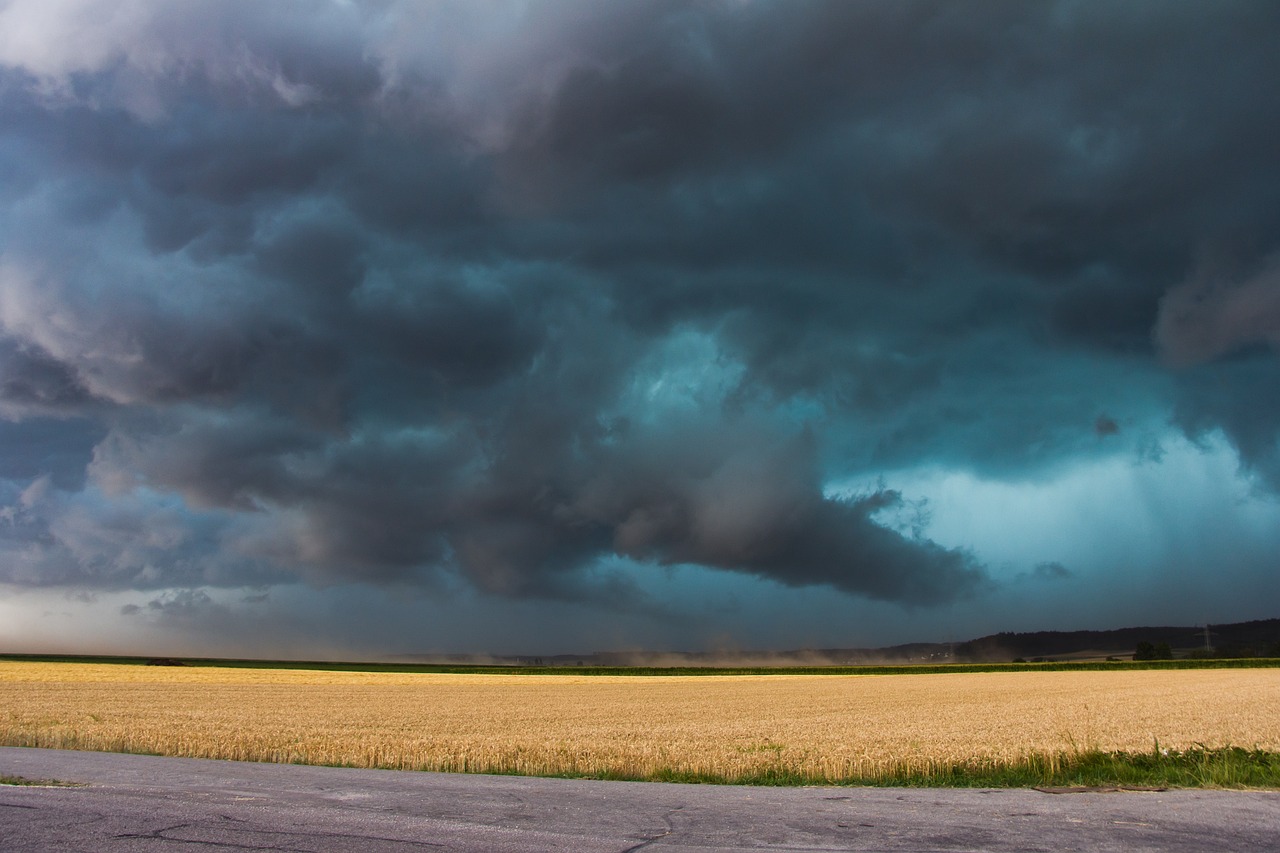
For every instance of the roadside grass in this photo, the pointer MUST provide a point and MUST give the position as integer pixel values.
(641, 671)
(1200, 767)
(23, 782)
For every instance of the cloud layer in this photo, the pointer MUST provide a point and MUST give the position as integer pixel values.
(425, 293)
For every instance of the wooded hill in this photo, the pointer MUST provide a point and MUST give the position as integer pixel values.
(1260, 638)
(1241, 639)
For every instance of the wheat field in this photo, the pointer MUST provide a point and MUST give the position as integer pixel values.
(818, 727)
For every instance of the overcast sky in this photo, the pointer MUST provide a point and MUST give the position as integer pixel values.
(354, 329)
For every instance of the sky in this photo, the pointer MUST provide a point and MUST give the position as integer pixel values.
(354, 329)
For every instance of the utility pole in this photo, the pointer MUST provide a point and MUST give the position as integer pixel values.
(1208, 644)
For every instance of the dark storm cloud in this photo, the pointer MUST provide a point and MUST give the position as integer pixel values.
(180, 604)
(400, 292)
(1236, 396)
(60, 449)
(1048, 572)
(32, 381)
(746, 504)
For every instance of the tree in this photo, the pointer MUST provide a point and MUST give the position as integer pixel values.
(1153, 651)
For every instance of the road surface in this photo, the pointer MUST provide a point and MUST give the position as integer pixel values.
(144, 803)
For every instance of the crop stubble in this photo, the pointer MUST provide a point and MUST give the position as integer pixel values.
(819, 727)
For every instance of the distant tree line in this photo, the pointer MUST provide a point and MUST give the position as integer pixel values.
(1259, 638)
(1162, 651)
(1269, 650)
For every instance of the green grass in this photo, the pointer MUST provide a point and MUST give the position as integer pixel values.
(6, 779)
(468, 669)
(1201, 767)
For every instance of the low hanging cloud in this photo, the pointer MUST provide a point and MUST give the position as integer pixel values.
(503, 295)
(1208, 317)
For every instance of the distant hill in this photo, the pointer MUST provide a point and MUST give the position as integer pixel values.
(1241, 639)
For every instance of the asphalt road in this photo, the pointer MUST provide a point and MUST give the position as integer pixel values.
(143, 803)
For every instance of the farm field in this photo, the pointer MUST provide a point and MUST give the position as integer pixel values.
(793, 728)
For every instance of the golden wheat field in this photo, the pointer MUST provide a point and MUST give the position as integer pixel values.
(819, 726)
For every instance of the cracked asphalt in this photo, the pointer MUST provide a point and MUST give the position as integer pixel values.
(145, 803)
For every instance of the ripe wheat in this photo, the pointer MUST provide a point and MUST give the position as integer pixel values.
(729, 727)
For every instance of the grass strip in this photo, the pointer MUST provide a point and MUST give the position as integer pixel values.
(641, 671)
(1227, 767)
(1201, 767)
(20, 781)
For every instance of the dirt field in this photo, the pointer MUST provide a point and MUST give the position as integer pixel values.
(817, 726)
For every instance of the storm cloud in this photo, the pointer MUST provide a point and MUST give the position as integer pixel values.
(504, 295)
